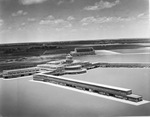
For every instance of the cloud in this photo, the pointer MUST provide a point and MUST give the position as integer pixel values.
(60, 2)
(70, 18)
(1, 22)
(71, 1)
(50, 20)
(102, 5)
(50, 17)
(63, 1)
(98, 20)
(88, 20)
(23, 24)
(29, 2)
(73, 30)
(143, 16)
(45, 22)
(62, 23)
(31, 19)
(59, 29)
(19, 13)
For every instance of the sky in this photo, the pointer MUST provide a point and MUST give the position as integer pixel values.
(66, 20)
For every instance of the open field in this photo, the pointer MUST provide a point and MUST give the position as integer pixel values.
(21, 55)
(23, 97)
(36, 49)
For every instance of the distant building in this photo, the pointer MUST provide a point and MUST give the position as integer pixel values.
(20, 72)
(83, 51)
(112, 91)
(47, 67)
(69, 62)
(67, 66)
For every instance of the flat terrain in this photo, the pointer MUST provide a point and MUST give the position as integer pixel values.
(23, 98)
(22, 55)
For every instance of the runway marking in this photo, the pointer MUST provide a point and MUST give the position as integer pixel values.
(94, 94)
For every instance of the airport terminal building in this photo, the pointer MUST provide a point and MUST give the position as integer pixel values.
(83, 51)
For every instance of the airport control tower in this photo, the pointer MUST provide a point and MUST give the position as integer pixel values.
(69, 59)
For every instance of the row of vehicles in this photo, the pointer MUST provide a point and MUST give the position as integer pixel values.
(116, 92)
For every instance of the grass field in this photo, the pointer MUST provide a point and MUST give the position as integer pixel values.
(21, 55)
